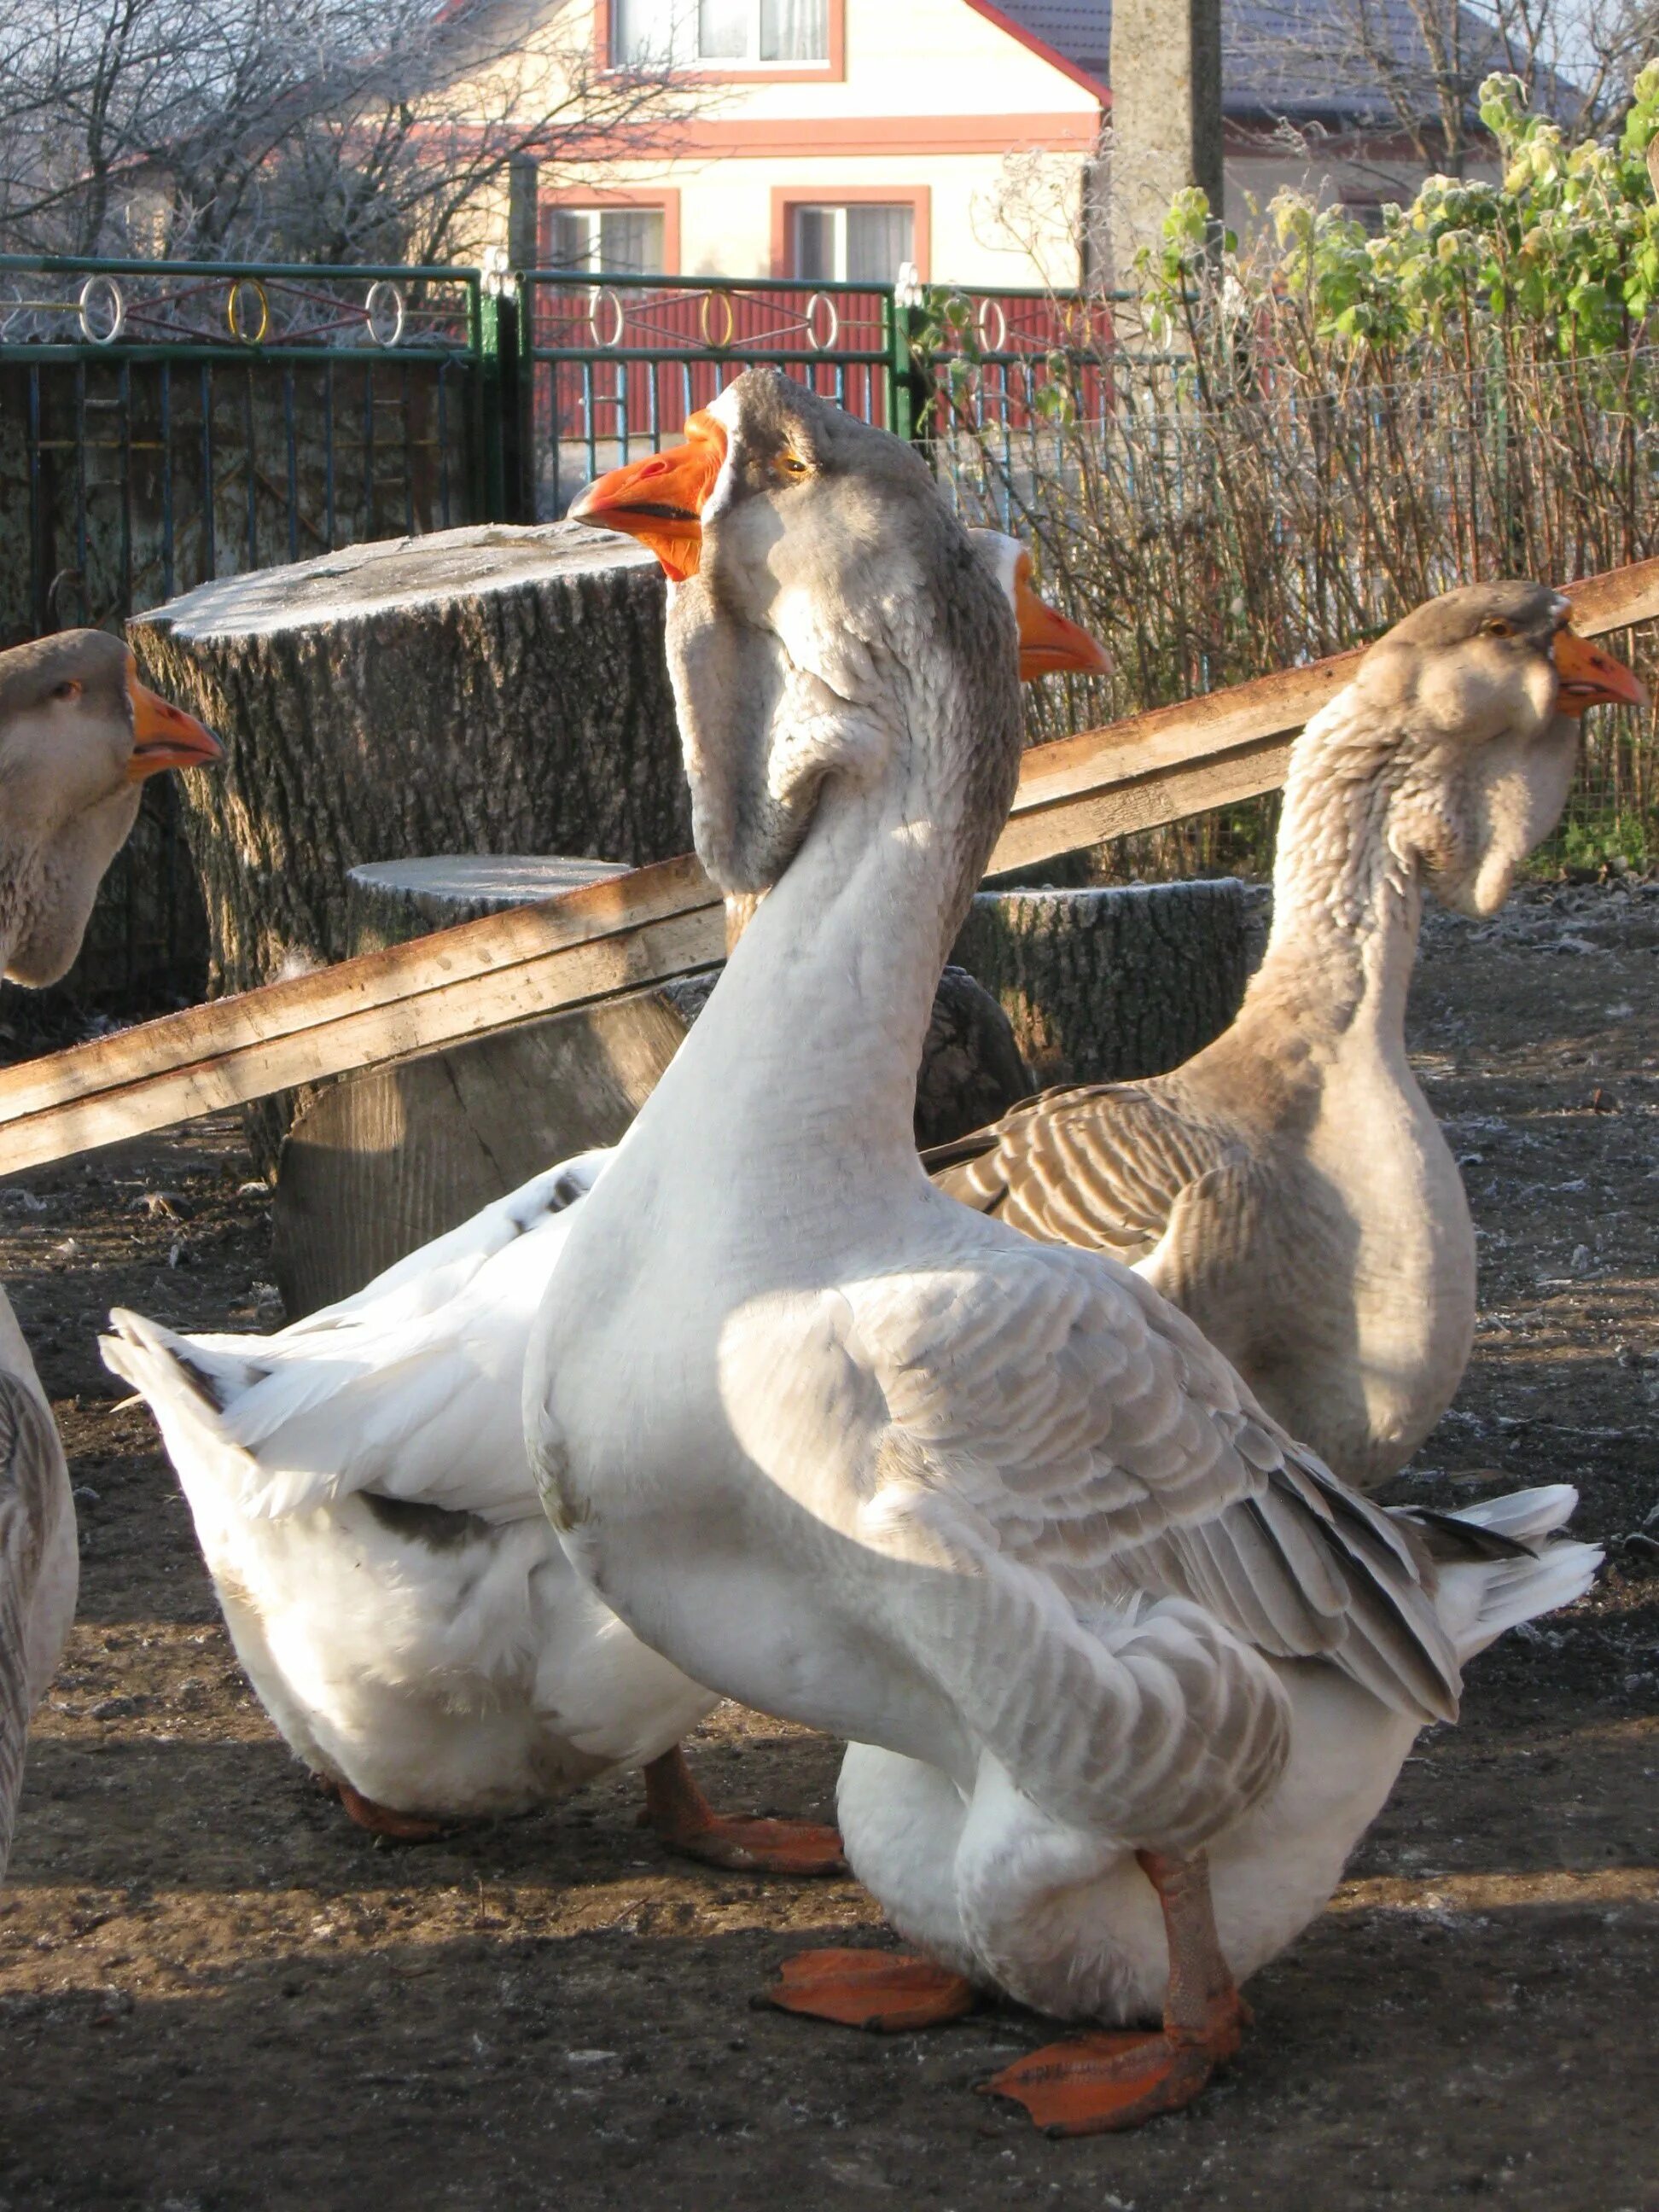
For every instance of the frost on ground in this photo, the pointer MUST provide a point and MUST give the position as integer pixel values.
(217, 1995)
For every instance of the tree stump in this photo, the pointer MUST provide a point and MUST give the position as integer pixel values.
(381, 1162)
(480, 691)
(390, 902)
(1105, 985)
(483, 691)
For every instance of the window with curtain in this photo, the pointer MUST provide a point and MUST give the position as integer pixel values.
(794, 31)
(644, 30)
(747, 32)
(608, 241)
(856, 245)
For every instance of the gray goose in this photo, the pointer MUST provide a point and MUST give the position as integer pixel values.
(1289, 1188)
(78, 735)
(852, 1454)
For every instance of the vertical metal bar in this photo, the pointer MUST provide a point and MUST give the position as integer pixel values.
(166, 479)
(38, 577)
(368, 444)
(478, 401)
(587, 409)
(290, 437)
(209, 541)
(409, 456)
(328, 452)
(248, 436)
(443, 444)
(494, 472)
(81, 482)
(123, 392)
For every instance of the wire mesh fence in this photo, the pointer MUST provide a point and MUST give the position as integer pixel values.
(1213, 532)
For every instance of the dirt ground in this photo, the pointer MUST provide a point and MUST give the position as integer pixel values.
(216, 1995)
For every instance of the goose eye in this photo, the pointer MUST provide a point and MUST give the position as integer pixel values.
(70, 688)
(1499, 628)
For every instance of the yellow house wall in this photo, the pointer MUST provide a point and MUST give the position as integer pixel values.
(725, 211)
(903, 58)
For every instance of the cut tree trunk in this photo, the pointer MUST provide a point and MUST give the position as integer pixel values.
(1105, 985)
(391, 902)
(481, 691)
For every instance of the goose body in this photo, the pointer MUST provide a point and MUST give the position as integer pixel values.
(78, 736)
(849, 1451)
(1289, 1187)
(363, 1501)
(39, 1558)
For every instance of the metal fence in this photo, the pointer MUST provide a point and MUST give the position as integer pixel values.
(166, 423)
(162, 424)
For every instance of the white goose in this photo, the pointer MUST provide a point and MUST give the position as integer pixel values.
(1289, 1187)
(78, 735)
(843, 1449)
(365, 1505)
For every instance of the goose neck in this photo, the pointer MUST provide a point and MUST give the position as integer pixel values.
(1347, 906)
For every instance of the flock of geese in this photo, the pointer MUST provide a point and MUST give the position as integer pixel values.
(1036, 1468)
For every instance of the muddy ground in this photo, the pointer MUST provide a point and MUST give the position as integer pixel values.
(216, 1995)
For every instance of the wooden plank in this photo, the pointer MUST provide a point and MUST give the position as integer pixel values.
(651, 924)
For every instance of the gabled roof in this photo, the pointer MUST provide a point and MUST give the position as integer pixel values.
(1297, 59)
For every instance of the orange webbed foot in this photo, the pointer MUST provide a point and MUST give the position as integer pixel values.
(1094, 2084)
(681, 1817)
(743, 1845)
(382, 1821)
(889, 1992)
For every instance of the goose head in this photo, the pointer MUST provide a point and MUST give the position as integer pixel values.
(827, 611)
(1483, 689)
(79, 733)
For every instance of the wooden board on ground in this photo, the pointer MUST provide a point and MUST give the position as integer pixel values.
(382, 1160)
(653, 923)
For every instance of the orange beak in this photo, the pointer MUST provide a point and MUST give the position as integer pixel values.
(1589, 677)
(660, 500)
(1049, 645)
(164, 736)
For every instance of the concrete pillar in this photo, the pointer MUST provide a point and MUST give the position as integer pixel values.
(1166, 115)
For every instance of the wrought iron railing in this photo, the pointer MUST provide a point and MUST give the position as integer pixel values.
(165, 423)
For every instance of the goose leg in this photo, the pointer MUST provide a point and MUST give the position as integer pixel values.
(381, 1819)
(1107, 2080)
(681, 1817)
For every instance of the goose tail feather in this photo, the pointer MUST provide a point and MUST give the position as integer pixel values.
(1506, 1562)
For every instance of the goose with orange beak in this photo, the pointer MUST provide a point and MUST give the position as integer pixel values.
(1289, 1188)
(1127, 1671)
(79, 733)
